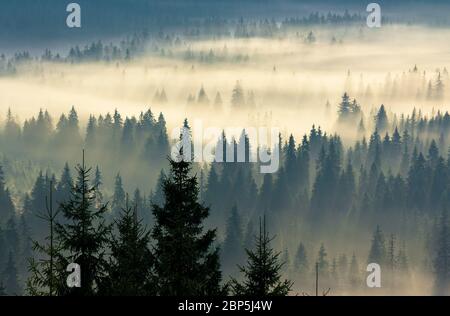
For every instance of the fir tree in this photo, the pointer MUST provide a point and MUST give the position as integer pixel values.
(84, 237)
(178, 233)
(262, 274)
(131, 266)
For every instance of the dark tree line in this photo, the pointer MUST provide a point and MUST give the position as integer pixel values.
(399, 180)
(126, 258)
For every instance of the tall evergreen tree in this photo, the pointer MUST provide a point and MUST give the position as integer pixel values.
(84, 238)
(131, 267)
(178, 233)
(262, 274)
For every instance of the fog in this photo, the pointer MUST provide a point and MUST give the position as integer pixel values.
(288, 77)
(291, 80)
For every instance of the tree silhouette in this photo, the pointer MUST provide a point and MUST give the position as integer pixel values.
(186, 260)
(262, 274)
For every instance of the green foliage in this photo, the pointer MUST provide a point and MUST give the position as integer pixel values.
(130, 271)
(84, 237)
(262, 274)
(186, 260)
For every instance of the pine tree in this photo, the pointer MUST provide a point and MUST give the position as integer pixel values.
(131, 264)
(262, 274)
(84, 237)
(178, 234)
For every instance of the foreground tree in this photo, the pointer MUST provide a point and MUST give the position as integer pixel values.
(130, 270)
(44, 278)
(262, 275)
(186, 260)
(84, 238)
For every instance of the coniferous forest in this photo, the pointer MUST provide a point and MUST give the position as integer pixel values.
(97, 198)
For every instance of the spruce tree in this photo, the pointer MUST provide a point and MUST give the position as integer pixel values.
(262, 274)
(131, 264)
(84, 238)
(186, 259)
